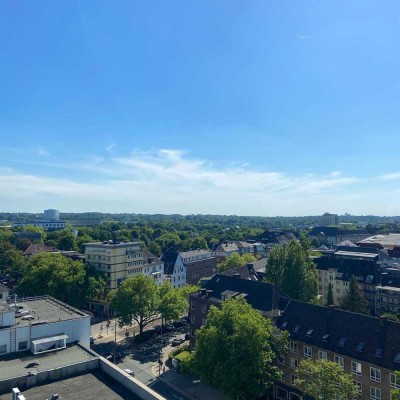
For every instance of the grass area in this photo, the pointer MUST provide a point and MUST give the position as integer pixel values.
(183, 356)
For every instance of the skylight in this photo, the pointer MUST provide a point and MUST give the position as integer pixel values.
(397, 358)
(310, 332)
(378, 352)
(325, 337)
(296, 328)
(342, 341)
(360, 346)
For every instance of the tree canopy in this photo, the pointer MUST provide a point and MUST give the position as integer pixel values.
(290, 268)
(353, 300)
(236, 349)
(325, 380)
(137, 299)
(235, 260)
(55, 275)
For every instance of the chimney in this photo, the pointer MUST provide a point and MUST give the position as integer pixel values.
(250, 266)
(382, 321)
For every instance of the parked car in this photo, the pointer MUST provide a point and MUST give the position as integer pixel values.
(169, 327)
(129, 372)
(177, 342)
(187, 337)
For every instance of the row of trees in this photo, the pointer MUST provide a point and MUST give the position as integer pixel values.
(140, 299)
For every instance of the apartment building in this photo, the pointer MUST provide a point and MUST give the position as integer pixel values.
(174, 268)
(332, 235)
(366, 347)
(199, 264)
(389, 242)
(368, 265)
(225, 250)
(262, 296)
(328, 219)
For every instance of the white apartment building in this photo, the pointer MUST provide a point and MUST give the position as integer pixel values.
(41, 324)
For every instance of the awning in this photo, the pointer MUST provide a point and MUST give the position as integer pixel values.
(49, 339)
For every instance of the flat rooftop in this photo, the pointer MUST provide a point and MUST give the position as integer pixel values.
(354, 254)
(18, 364)
(45, 310)
(95, 385)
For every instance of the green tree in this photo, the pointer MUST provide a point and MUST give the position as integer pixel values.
(199, 243)
(395, 393)
(55, 275)
(325, 380)
(137, 299)
(33, 228)
(329, 298)
(23, 244)
(155, 249)
(233, 337)
(291, 269)
(235, 261)
(172, 303)
(12, 261)
(353, 300)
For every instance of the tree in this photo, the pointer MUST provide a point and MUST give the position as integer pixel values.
(199, 243)
(155, 249)
(329, 298)
(325, 380)
(12, 261)
(290, 268)
(395, 393)
(235, 261)
(233, 337)
(33, 228)
(58, 276)
(353, 300)
(172, 303)
(137, 299)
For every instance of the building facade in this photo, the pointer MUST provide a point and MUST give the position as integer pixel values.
(41, 324)
(174, 269)
(366, 347)
(328, 219)
(199, 264)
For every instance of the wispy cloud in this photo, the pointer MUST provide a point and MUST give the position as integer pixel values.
(304, 37)
(391, 176)
(110, 147)
(42, 152)
(170, 181)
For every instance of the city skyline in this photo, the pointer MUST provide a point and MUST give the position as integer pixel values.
(270, 108)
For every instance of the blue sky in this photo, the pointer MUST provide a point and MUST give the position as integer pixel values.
(272, 107)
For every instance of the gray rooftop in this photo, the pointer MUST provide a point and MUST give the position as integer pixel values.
(45, 310)
(15, 365)
(193, 253)
(91, 386)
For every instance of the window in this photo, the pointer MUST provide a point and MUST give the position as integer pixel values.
(394, 381)
(307, 352)
(322, 355)
(339, 360)
(375, 374)
(281, 394)
(293, 347)
(22, 345)
(375, 393)
(293, 378)
(3, 349)
(280, 360)
(356, 367)
(293, 363)
(358, 386)
(203, 308)
(192, 305)
(192, 319)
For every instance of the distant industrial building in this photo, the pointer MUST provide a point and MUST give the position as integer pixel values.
(328, 219)
(51, 215)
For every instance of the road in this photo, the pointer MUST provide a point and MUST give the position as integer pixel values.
(166, 391)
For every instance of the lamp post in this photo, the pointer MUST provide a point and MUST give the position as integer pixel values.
(115, 335)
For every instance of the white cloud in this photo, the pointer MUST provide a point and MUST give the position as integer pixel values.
(43, 152)
(303, 37)
(168, 181)
(392, 176)
(110, 147)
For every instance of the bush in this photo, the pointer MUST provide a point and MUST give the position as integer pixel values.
(183, 356)
(177, 351)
